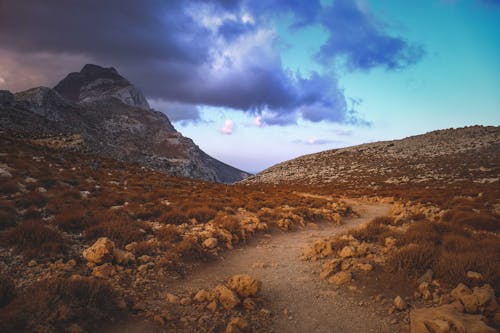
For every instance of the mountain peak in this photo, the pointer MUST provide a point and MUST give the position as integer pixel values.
(94, 83)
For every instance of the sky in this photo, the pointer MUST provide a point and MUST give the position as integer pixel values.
(255, 83)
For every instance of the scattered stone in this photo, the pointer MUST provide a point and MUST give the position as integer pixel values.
(203, 296)
(237, 324)
(171, 298)
(347, 252)
(227, 298)
(185, 301)
(145, 259)
(100, 252)
(390, 242)
(210, 243)
(123, 257)
(399, 303)
(426, 277)
(443, 318)
(365, 267)
(104, 271)
(249, 304)
(474, 275)
(32, 263)
(244, 285)
(212, 306)
(341, 278)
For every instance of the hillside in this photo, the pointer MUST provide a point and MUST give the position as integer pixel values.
(438, 158)
(98, 111)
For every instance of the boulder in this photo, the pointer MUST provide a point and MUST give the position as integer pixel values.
(474, 275)
(226, 297)
(172, 299)
(399, 303)
(237, 324)
(446, 319)
(100, 252)
(210, 243)
(341, 278)
(478, 299)
(123, 257)
(203, 296)
(244, 285)
(104, 271)
(347, 252)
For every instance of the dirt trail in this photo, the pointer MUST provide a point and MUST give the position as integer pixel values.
(312, 305)
(292, 284)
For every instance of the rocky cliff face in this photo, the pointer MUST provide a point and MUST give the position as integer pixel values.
(112, 118)
(438, 158)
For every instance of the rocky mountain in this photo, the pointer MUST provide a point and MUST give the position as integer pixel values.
(432, 159)
(99, 111)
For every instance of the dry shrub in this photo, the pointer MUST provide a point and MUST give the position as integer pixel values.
(228, 222)
(72, 219)
(34, 239)
(118, 226)
(413, 259)
(480, 221)
(8, 215)
(201, 214)
(168, 233)
(375, 231)
(173, 217)
(145, 247)
(52, 305)
(189, 249)
(33, 198)
(7, 289)
(146, 211)
(8, 187)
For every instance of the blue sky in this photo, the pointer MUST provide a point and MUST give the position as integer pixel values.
(257, 83)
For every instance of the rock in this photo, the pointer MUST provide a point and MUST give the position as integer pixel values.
(75, 328)
(390, 242)
(442, 319)
(399, 303)
(144, 259)
(227, 298)
(202, 296)
(123, 257)
(474, 275)
(427, 277)
(171, 298)
(329, 268)
(320, 249)
(341, 278)
(185, 301)
(244, 285)
(212, 306)
(347, 252)
(7, 98)
(249, 304)
(210, 243)
(131, 246)
(236, 324)
(100, 252)
(145, 267)
(104, 271)
(485, 297)
(365, 267)
(32, 263)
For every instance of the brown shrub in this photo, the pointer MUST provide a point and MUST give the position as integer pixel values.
(189, 249)
(72, 219)
(117, 226)
(8, 215)
(173, 217)
(228, 222)
(34, 239)
(201, 214)
(168, 233)
(52, 305)
(375, 231)
(413, 259)
(8, 187)
(33, 198)
(7, 289)
(480, 221)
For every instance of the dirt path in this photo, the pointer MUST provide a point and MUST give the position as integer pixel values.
(289, 283)
(297, 298)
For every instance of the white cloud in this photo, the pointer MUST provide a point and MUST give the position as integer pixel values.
(228, 127)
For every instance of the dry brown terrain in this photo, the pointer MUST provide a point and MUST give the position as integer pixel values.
(88, 243)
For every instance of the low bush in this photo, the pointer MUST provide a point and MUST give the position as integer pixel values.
(52, 305)
(168, 233)
(34, 239)
(413, 259)
(7, 289)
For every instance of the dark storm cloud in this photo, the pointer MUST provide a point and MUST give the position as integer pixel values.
(188, 53)
(356, 35)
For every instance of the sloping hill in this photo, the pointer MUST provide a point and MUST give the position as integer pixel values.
(432, 159)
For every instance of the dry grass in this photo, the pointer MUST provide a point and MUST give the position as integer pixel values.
(52, 305)
(34, 239)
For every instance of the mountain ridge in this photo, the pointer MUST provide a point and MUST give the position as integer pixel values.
(112, 118)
